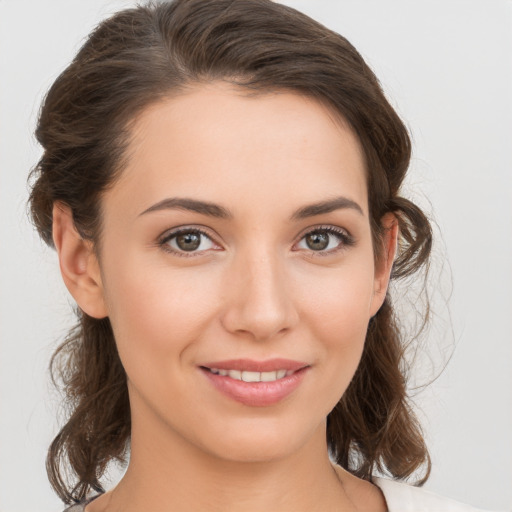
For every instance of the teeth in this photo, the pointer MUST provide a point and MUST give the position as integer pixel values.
(247, 376)
(235, 374)
(251, 376)
(269, 376)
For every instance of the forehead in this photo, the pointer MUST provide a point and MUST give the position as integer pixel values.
(216, 139)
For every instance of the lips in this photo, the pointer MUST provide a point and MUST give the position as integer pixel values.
(255, 383)
(250, 365)
(248, 376)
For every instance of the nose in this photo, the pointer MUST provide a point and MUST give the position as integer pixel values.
(259, 303)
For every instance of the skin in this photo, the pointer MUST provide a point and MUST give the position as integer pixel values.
(254, 289)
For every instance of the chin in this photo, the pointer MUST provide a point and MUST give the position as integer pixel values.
(254, 452)
(257, 442)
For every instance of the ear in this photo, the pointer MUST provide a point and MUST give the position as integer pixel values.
(78, 263)
(385, 261)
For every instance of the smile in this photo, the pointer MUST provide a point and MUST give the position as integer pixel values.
(248, 376)
(256, 383)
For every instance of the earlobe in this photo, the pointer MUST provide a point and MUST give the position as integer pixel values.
(78, 263)
(385, 262)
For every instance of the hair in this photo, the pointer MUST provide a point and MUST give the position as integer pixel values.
(137, 58)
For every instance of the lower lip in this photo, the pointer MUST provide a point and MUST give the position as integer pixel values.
(256, 394)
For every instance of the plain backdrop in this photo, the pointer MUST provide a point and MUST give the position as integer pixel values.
(446, 65)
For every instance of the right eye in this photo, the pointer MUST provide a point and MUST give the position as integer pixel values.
(187, 242)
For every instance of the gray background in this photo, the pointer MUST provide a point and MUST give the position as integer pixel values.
(446, 66)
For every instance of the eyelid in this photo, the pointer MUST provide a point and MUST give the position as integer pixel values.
(343, 234)
(173, 232)
(347, 239)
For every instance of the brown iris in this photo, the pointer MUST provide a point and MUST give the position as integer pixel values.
(188, 241)
(317, 241)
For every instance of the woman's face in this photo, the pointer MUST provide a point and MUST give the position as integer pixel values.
(238, 240)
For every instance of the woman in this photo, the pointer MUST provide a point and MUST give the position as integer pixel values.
(221, 182)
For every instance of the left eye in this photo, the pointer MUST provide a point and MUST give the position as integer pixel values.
(324, 240)
(188, 241)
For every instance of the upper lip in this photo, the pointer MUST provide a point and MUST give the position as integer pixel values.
(251, 365)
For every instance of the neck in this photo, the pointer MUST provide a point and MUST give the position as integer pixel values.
(175, 475)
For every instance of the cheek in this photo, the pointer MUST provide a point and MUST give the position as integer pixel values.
(156, 312)
(336, 313)
(338, 302)
(342, 327)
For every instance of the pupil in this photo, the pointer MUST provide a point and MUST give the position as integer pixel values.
(317, 241)
(188, 241)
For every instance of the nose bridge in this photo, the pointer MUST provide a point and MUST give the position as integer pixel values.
(260, 302)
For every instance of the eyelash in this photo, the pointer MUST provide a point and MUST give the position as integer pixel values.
(164, 241)
(346, 240)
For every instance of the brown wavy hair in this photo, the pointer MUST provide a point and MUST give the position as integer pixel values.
(135, 59)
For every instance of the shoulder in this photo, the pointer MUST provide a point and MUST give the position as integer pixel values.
(77, 507)
(80, 507)
(401, 497)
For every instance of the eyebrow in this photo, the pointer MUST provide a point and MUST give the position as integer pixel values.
(331, 205)
(217, 211)
(192, 205)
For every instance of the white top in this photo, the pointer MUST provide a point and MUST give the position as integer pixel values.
(401, 497)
